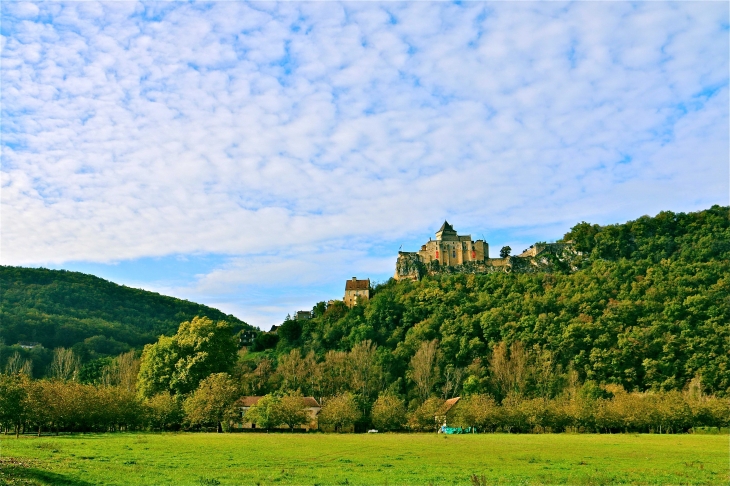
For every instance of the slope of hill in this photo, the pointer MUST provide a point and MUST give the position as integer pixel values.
(62, 308)
(648, 308)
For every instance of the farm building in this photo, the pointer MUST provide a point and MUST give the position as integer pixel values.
(244, 403)
(445, 414)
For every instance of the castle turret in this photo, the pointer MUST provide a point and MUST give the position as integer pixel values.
(446, 233)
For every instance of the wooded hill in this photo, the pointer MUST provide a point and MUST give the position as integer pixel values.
(648, 308)
(95, 317)
(644, 305)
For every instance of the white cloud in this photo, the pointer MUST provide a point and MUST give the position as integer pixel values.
(133, 130)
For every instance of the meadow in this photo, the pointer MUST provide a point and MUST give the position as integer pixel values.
(199, 458)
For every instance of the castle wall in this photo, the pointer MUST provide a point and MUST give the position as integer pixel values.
(454, 252)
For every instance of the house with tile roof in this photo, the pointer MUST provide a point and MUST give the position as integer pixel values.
(445, 414)
(356, 290)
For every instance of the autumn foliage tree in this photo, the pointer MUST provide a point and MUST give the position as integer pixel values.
(212, 403)
(389, 412)
(340, 412)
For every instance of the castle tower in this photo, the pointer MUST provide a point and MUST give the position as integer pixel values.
(446, 233)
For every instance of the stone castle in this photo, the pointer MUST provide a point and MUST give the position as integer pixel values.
(454, 253)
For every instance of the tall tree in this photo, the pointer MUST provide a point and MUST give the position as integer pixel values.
(200, 348)
(294, 370)
(423, 370)
(364, 370)
(157, 367)
(206, 347)
(65, 364)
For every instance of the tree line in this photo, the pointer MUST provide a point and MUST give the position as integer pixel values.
(194, 380)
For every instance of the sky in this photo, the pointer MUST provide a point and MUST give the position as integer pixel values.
(254, 156)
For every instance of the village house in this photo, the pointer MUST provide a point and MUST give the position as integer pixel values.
(303, 315)
(445, 414)
(28, 344)
(245, 403)
(356, 290)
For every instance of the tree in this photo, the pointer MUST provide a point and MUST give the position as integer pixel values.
(200, 348)
(290, 331)
(272, 411)
(452, 381)
(340, 412)
(127, 371)
(423, 419)
(38, 403)
(336, 373)
(164, 411)
(389, 412)
(505, 252)
(294, 370)
(17, 365)
(212, 402)
(65, 364)
(477, 411)
(423, 370)
(12, 401)
(266, 414)
(206, 347)
(157, 367)
(293, 412)
(363, 368)
(509, 370)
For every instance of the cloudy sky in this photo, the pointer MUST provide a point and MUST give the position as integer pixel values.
(252, 156)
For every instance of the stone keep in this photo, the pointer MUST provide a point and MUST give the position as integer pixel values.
(451, 249)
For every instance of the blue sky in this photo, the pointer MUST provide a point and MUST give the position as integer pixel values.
(253, 156)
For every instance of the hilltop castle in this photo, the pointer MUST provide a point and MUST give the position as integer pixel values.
(451, 249)
(454, 253)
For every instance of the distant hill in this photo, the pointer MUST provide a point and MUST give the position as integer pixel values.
(97, 317)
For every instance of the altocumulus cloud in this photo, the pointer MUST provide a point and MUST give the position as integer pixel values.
(300, 140)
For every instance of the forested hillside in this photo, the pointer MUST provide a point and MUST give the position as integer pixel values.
(93, 316)
(648, 308)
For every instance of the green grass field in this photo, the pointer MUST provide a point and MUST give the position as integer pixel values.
(364, 459)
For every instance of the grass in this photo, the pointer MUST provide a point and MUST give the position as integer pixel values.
(211, 459)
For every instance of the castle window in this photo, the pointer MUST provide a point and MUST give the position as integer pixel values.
(454, 252)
